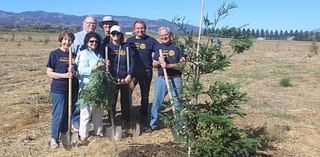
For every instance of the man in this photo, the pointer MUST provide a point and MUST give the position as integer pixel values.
(89, 24)
(172, 56)
(144, 46)
(106, 23)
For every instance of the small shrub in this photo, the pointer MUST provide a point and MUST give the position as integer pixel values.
(19, 43)
(46, 41)
(29, 38)
(241, 43)
(285, 82)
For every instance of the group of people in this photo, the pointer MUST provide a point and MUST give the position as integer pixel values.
(134, 57)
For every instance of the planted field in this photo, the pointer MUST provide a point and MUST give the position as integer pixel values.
(287, 118)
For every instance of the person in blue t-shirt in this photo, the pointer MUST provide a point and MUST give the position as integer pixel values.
(120, 59)
(172, 56)
(58, 69)
(144, 46)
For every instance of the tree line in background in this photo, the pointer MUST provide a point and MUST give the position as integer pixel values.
(226, 32)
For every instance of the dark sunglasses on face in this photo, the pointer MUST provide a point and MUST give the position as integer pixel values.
(93, 41)
(115, 33)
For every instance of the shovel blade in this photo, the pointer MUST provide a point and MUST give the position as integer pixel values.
(115, 133)
(66, 141)
(74, 138)
(136, 129)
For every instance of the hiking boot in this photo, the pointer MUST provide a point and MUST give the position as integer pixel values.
(53, 143)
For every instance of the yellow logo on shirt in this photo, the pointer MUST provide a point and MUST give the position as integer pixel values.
(142, 46)
(66, 60)
(171, 53)
(122, 52)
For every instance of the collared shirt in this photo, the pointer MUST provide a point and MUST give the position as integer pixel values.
(85, 60)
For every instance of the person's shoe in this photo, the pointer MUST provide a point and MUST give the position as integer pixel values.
(53, 143)
(150, 130)
(75, 128)
(83, 141)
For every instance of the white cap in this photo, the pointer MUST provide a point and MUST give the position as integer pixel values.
(115, 28)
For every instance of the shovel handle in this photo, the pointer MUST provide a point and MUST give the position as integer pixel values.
(167, 82)
(69, 91)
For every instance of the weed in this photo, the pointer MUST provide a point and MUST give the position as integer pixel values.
(285, 82)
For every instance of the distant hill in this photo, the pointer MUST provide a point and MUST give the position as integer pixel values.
(42, 18)
(316, 30)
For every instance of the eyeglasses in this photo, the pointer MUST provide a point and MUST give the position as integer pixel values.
(93, 41)
(115, 33)
(91, 23)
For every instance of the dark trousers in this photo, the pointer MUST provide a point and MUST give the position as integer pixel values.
(144, 79)
(125, 100)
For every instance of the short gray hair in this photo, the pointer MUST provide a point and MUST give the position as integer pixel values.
(164, 28)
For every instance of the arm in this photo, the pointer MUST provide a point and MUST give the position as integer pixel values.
(83, 64)
(54, 75)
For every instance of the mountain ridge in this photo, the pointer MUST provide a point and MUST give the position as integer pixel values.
(56, 19)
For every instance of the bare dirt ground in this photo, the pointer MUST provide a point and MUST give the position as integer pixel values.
(289, 114)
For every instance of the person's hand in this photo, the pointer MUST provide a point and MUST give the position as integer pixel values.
(122, 81)
(162, 62)
(127, 79)
(108, 63)
(99, 64)
(67, 75)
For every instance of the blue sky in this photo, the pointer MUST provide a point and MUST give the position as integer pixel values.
(266, 14)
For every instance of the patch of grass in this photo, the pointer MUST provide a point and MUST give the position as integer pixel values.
(283, 115)
(46, 41)
(276, 133)
(285, 82)
(29, 67)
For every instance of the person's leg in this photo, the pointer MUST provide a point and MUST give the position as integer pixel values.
(125, 102)
(159, 94)
(175, 87)
(57, 114)
(85, 114)
(144, 83)
(75, 118)
(97, 115)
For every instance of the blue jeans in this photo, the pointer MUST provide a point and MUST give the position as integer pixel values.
(160, 91)
(59, 114)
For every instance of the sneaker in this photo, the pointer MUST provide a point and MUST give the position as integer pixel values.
(53, 144)
(75, 128)
(150, 130)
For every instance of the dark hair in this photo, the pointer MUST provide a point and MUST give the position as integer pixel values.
(66, 33)
(86, 40)
(140, 21)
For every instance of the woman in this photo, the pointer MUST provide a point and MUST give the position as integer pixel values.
(120, 60)
(89, 60)
(58, 69)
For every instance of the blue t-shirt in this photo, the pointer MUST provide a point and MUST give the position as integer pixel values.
(144, 48)
(59, 61)
(118, 60)
(172, 55)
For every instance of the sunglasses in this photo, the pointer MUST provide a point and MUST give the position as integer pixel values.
(115, 33)
(93, 41)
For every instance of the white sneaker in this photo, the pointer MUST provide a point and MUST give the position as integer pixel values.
(53, 143)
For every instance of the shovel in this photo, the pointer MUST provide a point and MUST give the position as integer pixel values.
(134, 126)
(173, 130)
(70, 139)
(114, 131)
